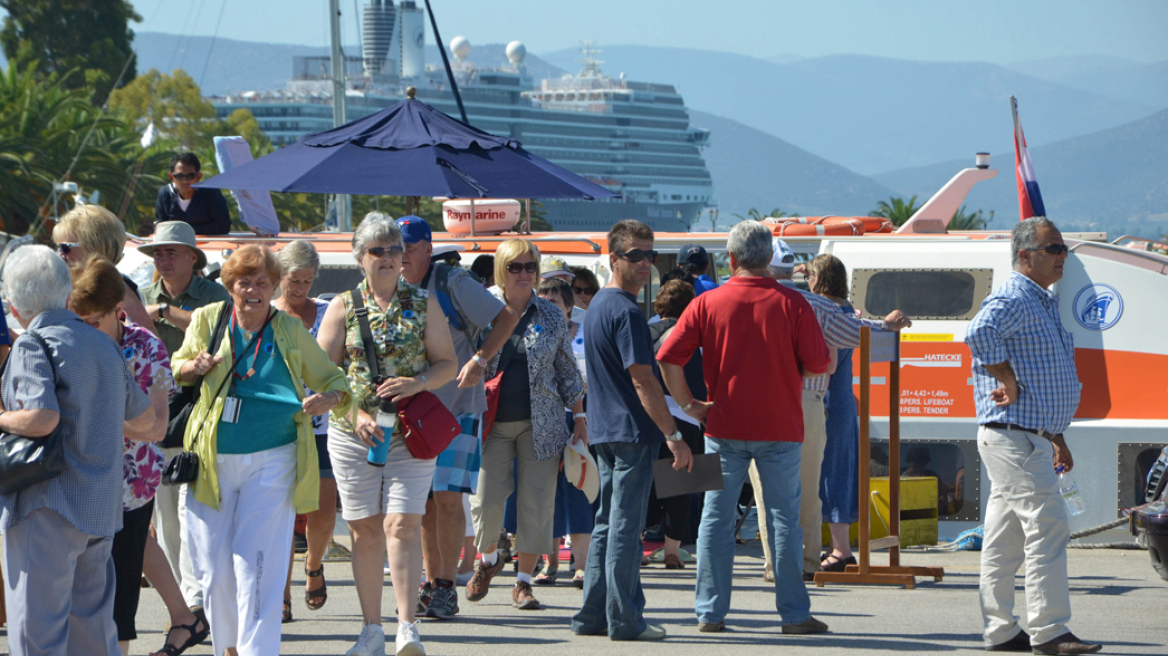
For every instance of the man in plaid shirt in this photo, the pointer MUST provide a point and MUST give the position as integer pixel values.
(1026, 391)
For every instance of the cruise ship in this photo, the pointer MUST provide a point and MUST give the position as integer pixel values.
(633, 138)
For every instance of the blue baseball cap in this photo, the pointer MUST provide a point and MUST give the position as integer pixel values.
(414, 229)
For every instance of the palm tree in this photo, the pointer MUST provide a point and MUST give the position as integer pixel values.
(755, 215)
(896, 209)
(963, 220)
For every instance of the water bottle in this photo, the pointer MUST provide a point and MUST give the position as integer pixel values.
(387, 419)
(1070, 492)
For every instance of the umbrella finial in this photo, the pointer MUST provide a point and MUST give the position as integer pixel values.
(411, 92)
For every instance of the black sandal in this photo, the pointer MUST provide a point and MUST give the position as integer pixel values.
(287, 611)
(194, 639)
(839, 565)
(315, 599)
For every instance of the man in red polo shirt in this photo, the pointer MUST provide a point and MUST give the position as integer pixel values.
(758, 340)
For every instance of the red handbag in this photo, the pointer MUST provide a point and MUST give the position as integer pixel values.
(427, 426)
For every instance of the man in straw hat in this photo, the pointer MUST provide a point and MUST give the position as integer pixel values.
(170, 300)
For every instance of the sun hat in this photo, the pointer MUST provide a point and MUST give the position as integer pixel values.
(551, 267)
(175, 233)
(580, 469)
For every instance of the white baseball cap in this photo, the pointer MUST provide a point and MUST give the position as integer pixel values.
(784, 257)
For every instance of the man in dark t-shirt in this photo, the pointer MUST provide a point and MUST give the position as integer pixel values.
(205, 209)
(627, 421)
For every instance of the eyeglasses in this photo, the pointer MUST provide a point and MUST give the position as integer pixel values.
(520, 267)
(64, 247)
(637, 256)
(184, 177)
(1053, 249)
(382, 251)
(583, 291)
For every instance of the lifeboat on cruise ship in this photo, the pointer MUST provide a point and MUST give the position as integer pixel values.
(823, 226)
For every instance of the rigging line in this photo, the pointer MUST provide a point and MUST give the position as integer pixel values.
(190, 38)
(360, 38)
(179, 40)
(211, 48)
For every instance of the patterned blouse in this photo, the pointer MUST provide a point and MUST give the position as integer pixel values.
(142, 463)
(555, 380)
(398, 337)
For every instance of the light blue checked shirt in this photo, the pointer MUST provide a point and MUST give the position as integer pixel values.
(1019, 323)
(841, 330)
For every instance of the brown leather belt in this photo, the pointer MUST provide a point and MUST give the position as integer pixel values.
(997, 425)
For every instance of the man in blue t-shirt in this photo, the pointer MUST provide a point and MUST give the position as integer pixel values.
(694, 260)
(627, 421)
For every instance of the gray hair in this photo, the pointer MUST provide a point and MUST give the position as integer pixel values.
(300, 254)
(1025, 235)
(36, 280)
(780, 273)
(376, 228)
(750, 243)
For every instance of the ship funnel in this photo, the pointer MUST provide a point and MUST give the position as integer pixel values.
(380, 21)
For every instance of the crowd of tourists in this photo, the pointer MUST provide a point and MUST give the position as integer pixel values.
(449, 413)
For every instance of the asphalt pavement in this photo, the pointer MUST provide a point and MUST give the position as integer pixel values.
(1117, 599)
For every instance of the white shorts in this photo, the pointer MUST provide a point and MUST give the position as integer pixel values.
(401, 487)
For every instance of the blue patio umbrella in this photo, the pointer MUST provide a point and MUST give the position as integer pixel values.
(409, 149)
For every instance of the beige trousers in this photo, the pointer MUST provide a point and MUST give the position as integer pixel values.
(810, 507)
(535, 490)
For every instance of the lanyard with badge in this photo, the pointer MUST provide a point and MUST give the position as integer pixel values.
(232, 404)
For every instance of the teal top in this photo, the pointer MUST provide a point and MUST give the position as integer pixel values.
(268, 398)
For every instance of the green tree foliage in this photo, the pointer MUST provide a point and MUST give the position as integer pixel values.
(60, 36)
(963, 220)
(896, 209)
(755, 215)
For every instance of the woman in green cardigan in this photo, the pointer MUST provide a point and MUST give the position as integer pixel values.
(257, 454)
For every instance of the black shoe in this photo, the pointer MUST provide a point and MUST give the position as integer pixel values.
(443, 600)
(425, 594)
(299, 543)
(1067, 643)
(1020, 642)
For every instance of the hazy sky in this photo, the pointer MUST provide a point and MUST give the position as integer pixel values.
(1000, 31)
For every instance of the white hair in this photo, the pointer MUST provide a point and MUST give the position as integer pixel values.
(300, 254)
(750, 244)
(376, 228)
(36, 280)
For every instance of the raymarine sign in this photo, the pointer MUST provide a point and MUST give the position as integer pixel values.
(1098, 307)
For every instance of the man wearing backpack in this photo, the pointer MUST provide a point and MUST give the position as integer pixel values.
(469, 309)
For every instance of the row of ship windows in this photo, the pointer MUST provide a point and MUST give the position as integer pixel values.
(622, 157)
(584, 144)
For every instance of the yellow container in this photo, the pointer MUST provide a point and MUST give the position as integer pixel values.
(918, 512)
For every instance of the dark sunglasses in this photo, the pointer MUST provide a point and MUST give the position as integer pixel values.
(520, 267)
(637, 256)
(382, 251)
(184, 177)
(1053, 249)
(66, 246)
(585, 292)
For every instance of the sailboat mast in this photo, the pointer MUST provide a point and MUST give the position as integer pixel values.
(344, 209)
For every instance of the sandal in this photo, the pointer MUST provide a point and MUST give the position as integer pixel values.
(195, 637)
(287, 610)
(315, 599)
(837, 565)
(546, 577)
(578, 580)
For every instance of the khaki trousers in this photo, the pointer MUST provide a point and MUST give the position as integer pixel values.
(810, 507)
(535, 489)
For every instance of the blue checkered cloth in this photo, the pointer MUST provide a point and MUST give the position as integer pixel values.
(1019, 323)
(458, 465)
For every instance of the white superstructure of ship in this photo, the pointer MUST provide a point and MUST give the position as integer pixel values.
(633, 138)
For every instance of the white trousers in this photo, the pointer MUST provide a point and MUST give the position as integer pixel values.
(169, 509)
(240, 552)
(1025, 524)
(810, 506)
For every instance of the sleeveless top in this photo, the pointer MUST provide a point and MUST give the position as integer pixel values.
(398, 337)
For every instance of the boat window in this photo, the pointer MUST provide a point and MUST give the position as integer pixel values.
(954, 294)
(1137, 466)
(954, 464)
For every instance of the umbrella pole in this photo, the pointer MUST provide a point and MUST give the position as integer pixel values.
(472, 218)
(527, 223)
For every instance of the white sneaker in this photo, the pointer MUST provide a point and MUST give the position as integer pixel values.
(408, 641)
(370, 643)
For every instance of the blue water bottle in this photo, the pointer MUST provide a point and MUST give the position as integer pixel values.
(387, 419)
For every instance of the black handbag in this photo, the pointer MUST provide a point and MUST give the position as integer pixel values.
(184, 468)
(26, 461)
(185, 398)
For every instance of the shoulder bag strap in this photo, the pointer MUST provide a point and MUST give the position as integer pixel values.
(216, 340)
(362, 313)
(511, 345)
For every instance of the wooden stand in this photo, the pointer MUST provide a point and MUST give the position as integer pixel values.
(887, 350)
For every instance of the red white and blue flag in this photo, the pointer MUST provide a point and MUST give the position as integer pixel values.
(1029, 197)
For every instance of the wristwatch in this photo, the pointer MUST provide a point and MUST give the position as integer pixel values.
(675, 436)
(479, 360)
